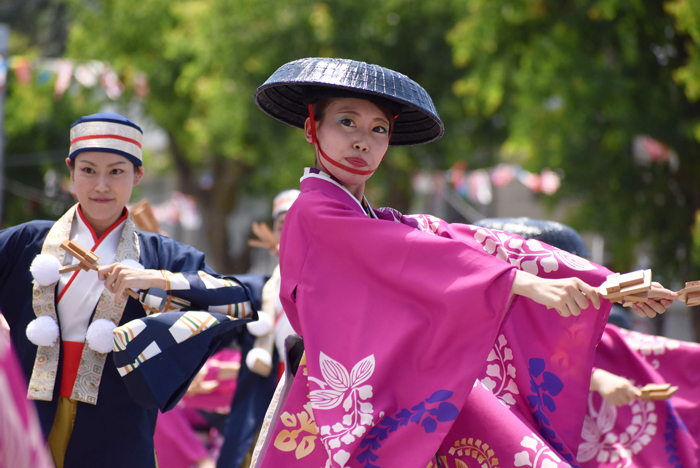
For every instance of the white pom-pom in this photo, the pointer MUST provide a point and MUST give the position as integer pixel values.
(43, 331)
(260, 327)
(100, 335)
(44, 269)
(259, 361)
(132, 263)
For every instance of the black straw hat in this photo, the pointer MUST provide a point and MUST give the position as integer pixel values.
(550, 232)
(288, 92)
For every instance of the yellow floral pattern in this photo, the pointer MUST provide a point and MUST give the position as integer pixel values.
(302, 422)
(476, 449)
(468, 448)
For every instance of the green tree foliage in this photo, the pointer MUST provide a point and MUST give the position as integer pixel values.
(574, 82)
(544, 83)
(566, 84)
(687, 16)
(36, 129)
(205, 58)
(35, 124)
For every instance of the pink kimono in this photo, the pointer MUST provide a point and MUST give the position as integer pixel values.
(21, 441)
(176, 441)
(400, 315)
(645, 434)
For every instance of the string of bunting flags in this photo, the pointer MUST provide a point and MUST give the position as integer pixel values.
(477, 185)
(67, 71)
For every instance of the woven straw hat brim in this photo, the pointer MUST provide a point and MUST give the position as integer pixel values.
(287, 93)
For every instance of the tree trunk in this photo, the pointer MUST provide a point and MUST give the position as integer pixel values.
(215, 203)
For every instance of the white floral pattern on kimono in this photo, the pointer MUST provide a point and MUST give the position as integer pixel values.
(338, 386)
(528, 255)
(602, 443)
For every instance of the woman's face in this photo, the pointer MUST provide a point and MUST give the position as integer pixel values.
(355, 134)
(103, 183)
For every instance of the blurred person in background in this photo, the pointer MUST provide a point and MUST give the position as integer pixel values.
(273, 326)
(263, 362)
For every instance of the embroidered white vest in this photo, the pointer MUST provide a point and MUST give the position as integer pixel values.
(87, 383)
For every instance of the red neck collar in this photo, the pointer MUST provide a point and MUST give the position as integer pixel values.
(97, 240)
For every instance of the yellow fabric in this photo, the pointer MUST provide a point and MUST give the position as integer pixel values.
(62, 429)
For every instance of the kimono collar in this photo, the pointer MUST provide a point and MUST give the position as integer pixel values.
(87, 384)
(85, 224)
(313, 173)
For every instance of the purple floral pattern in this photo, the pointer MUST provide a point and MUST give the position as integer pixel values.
(428, 413)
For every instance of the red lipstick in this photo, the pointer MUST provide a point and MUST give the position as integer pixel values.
(357, 162)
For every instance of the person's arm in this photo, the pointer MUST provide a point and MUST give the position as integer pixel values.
(267, 313)
(570, 295)
(615, 389)
(567, 295)
(198, 290)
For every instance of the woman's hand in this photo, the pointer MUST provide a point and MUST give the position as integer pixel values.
(615, 389)
(567, 295)
(118, 277)
(266, 239)
(659, 299)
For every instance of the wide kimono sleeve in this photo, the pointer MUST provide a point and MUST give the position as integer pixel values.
(191, 283)
(158, 356)
(540, 365)
(19, 245)
(21, 440)
(397, 324)
(662, 433)
(11, 245)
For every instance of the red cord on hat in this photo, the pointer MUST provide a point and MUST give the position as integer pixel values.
(315, 141)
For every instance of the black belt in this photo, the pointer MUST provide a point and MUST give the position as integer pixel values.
(294, 355)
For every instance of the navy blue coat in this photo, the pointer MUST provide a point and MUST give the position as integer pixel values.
(116, 432)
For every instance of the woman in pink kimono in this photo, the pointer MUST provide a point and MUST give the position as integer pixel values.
(636, 433)
(620, 428)
(399, 314)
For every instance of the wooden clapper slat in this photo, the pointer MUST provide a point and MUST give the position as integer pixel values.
(87, 259)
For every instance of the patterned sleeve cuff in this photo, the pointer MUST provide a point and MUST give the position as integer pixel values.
(198, 291)
(156, 301)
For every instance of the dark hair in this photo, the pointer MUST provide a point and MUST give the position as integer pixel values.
(322, 104)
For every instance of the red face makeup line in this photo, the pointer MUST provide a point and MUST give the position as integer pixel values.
(325, 156)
